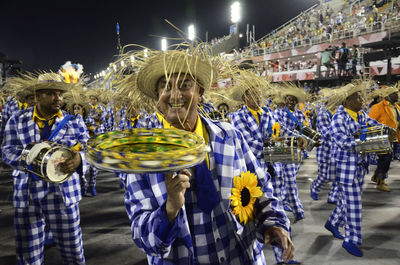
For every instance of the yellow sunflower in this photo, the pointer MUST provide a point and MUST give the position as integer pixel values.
(244, 194)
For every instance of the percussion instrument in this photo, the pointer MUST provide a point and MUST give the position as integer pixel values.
(146, 150)
(373, 140)
(313, 137)
(216, 115)
(282, 149)
(43, 159)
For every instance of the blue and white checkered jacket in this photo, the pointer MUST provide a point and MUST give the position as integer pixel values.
(324, 118)
(100, 128)
(9, 108)
(109, 123)
(288, 126)
(22, 130)
(196, 237)
(206, 107)
(342, 130)
(253, 133)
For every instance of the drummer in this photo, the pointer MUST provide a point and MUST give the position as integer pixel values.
(290, 117)
(351, 168)
(38, 202)
(256, 125)
(187, 217)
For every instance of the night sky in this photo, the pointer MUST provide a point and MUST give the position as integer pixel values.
(46, 34)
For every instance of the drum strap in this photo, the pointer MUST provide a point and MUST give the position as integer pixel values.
(293, 118)
(364, 128)
(60, 126)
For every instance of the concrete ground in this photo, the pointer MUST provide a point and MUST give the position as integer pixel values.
(107, 237)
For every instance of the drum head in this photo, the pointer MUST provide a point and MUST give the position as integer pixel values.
(52, 168)
(34, 152)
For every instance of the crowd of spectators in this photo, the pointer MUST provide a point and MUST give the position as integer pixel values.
(323, 24)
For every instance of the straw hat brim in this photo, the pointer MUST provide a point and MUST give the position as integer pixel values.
(167, 63)
(23, 94)
(299, 94)
(388, 91)
(52, 85)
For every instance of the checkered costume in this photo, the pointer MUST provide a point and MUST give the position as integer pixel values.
(351, 168)
(288, 127)
(254, 134)
(206, 107)
(109, 123)
(9, 108)
(196, 237)
(326, 169)
(39, 202)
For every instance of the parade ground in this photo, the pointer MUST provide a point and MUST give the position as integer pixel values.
(107, 235)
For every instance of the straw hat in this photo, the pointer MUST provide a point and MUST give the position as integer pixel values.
(73, 102)
(51, 81)
(387, 91)
(292, 90)
(167, 63)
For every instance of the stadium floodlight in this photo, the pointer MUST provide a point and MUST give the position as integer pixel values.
(164, 44)
(235, 12)
(103, 73)
(191, 32)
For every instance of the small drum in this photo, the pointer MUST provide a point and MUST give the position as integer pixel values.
(376, 140)
(282, 149)
(216, 115)
(43, 159)
(312, 136)
(146, 150)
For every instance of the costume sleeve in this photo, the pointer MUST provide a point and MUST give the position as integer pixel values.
(268, 211)
(339, 133)
(323, 123)
(12, 146)
(82, 134)
(243, 126)
(375, 112)
(151, 230)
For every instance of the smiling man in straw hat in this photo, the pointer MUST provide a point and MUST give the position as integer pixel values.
(290, 117)
(386, 112)
(188, 217)
(350, 166)
(37, 202)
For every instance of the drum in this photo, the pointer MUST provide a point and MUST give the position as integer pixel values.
(312, 136)
(146, 150)
(373, 140)
(282, 149)
(43, 159)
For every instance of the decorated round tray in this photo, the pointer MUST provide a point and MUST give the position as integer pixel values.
(146, 150)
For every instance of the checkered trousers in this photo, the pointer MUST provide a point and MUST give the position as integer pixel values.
(348, 211)
(196, 237)
(20, 131)
(342, 130)
(64, 224)
(323, 125)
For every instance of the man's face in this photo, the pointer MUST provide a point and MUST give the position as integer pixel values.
(393, 98)
(49, 100)
(251, 100)
(78, 109)
(355, 101)
(291, 102)
(30, 100)
(223, 108)
(93, 100)
(178, 99)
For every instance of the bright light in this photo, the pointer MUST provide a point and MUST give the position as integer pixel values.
(145, 53)
(103, 73)
(164, 44)
(115, 67)
(240, 35)
(191, 32)
(235, 12)
(132, 59)
(122, 64)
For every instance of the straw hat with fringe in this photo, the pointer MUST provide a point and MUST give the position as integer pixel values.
(291, 89)
(249, 81)
(51, 81)
(174, 62)
(20, 87)
(387, 91)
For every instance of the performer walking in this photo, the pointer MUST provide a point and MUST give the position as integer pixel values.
(38, 202)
